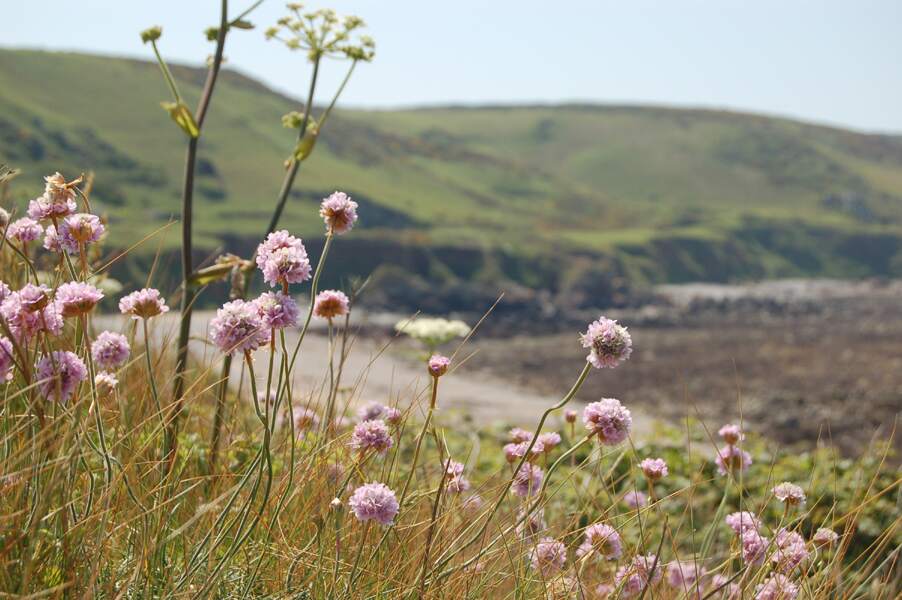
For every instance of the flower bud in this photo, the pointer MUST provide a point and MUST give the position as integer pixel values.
(438, 365)
(151, 34)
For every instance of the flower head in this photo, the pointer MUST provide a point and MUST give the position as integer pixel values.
(528, 480)
(393, 416)
(602, 540)
(789, 551)
(105, 383)
(374, 501)
(634, 577)
(777, 587)
(457, 483)
(570, 415)
(6, 360)
(654, 468)
(278, 310)
(822, 537)
(754, 546)
(514, 452)
(731, 434)
(684, 576)
(330, 304)
(518, 434)
(438, 365)
(732, 459)
(371, 435)
(370, 411)
(548, 556)
(548, 441)
(52, 240)
(283, 259)
(143, 304)
(110, 350)
(58, 199)
(339, 212)
(306, 419)
(24, 230)
(790, 494)
(609, 420)
(238, 326)
(609, 343)
(76, 298)
(531, 525)
(59, 374)
(742, 521)
(30, 311)
(635, 499)
(79, 230)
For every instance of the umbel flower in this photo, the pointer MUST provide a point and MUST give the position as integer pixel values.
(143, 304)
(374, 502)
(24, 230)
(277, 310)
(457, 483)
(732, 459)
(30, 311)
(105, 383)
(684, 575)
(789, 552)
(609, 343)
(339, 212)
(283, 259)
(790, 494)
(330, 304)
(822, 537)
(239, 327)
(731, 434)
(370, 411)
(51, 240)
(601, 540)
(635, 576)
(76, 231)
(59, 374)
(777, 587)
(609, 420)
(754, 546)
(110, 350)
(548, 556)
(371, 435)
(654, 468)
(76, 298)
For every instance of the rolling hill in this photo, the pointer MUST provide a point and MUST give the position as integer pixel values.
(573, 203)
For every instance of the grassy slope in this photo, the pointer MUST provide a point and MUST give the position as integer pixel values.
(671, 194)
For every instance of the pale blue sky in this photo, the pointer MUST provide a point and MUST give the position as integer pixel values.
(828, 61)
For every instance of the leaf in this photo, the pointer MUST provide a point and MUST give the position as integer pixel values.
(242, 24)
(182, 116)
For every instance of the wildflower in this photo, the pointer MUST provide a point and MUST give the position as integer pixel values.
(335, 504)
(472, 503)
(728, 590)
(283, 259)
(371, 411)
(76, 231)
(635, 499)
(634, 577)
(603, 590)
(457, 483)
(822, 537)
(531, 525)
(608, 342)
(306, 419)
(654, 468)
(609, 419)
(374, 501)
(6, 360)
(76, 298)
(393, 416)
(24, 230)
(754, 545)
(339, 212)
(60, 373)
(371, 435)
(570, 415)
(433, 332)
(548, 441)
(438, 365)
(143, 304)
(790, 494)
(330, 304)
(110, 350)
(52, 240)
(742, 521)
(30, 311)
(514, 452)
(789, 551)
(517, 435)
(278, 310)
(527, 481)
(548, 556)
(603, 540)
(731, 434)
(238, 326)
(105, 383)
(684, 575)
(731, 459)
(58, 199)
(777, 587)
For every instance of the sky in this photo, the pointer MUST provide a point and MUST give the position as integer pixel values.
(835, 62)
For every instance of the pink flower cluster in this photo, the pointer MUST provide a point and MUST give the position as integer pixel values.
(283, 259)
(110, 350)
(238, 327)
(143, 304)
(601, 540)
(609, 420)
(331, 304)
(59, 374)
(76, 298)
(609, 343)
(371, 435)
(548, 556)
(57, 201)
(374, 502)
(339, 212)
(30, 311)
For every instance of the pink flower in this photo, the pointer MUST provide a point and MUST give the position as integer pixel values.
(278, 310)
(6, 360)
(754, 546)
(603, 540)
(731, 459)
(76, 231)
(306, 419)
(110, 350)
(339, 212)
(514, 452)
(143, 304)
(30, 311)
(777, 587)
(330, 304)
(684, 576)
(283, 259)
(635, 499)
(374, 501)
(634, 577)
(370, 411)
(24, 230)
(727, 590)
(59, 374)
(105, 383)
(531, 525)
(570, 415)
(790, 494)
(238, 326)
(438, 365)
(548, 441)
(789, 552)
(517, 435)
(457, 483)
(742, 521)
(822, 537)
(608, 342)
(393, 416)
(609, 420)
(654, 468)
(731, 434)
(528, 480)
(76, 298)
(548, 556)
(58, 199)
(52, 240)
(371, 435)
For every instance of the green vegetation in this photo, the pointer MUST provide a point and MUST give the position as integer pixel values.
(471, 193)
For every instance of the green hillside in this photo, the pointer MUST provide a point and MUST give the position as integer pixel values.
(543, 196)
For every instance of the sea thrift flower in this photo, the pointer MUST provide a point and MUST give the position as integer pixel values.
(76, 298)
(438, 365)
(518, 435)
(684, 575)
(528, 480)
(777, 587)
(603, 540)
(238, 326)
(603, 590)
(570, 415)
(58, 199)
(24, 230)
(514, 452)
(727, 590)
(29, 311)
(609, 420)
(306, 419)
(548, 441)
(143, 304)
(283, 259)
(532, 525)
(731, 459)
(822, 537)
(731, 434)
(374, 501)
(608, 342)
(371, 435)
(789, 494)
(393, 416)
(6, 360)
(278, 310)
(548, 556)
(789, 551)
(371, 411)
(742, 521)
(654, 468)
(635, 499)
(105, 383)
(110, 350)
(754, 545)
(472, 503)
(76, 231)
(330, 304)
(457, 483)
(339, 212)
(52, 240)
(634, 577)
(59, 375)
